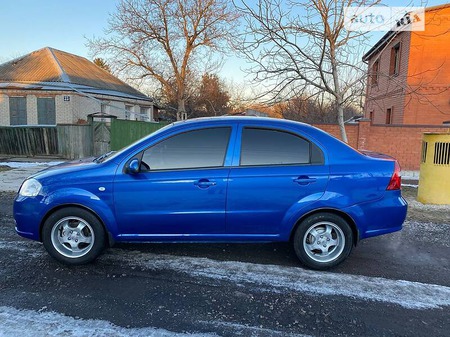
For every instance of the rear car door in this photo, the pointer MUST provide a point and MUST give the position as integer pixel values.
(273, 170)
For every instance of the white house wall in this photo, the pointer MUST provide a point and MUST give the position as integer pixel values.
(32, 110)
(4, 109)
(72, 111)
(82, 107)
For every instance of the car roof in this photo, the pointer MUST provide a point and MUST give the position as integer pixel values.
(242, 119)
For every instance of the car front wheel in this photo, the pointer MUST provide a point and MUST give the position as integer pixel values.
(323, 240)
(73, 236)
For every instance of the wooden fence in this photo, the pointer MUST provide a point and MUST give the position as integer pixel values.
(72, 141)
(29, 141)
(75, 141)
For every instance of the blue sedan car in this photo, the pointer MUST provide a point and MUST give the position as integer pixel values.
(228, 179)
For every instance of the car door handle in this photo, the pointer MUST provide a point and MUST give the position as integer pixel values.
(304, 180)
(204, 183)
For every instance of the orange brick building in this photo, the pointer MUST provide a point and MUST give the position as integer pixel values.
(409, 74)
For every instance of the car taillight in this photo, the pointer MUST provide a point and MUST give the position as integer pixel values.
(396, 179)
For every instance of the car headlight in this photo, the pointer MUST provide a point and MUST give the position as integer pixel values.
(30, 188)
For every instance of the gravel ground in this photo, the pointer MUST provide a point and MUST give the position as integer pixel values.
(437, 214)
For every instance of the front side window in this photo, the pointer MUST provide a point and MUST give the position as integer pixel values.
(273, 147)
(204, 148)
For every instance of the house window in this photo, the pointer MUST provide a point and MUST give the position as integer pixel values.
(371, 117)
(128, 111)
(395, 60)
(144, 114)
(46, 111)
(18, 110)
(375, 70)
(389, 116)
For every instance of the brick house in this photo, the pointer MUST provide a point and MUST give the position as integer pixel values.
(409, 74)
(49, 86)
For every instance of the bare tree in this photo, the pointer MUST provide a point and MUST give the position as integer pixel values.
(99, 62)
(167, 40)
(302, 49)
(212, 98)
(313, 111)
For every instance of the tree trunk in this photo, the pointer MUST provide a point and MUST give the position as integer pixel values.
(181, 111)
(341, 121)
(338, 95)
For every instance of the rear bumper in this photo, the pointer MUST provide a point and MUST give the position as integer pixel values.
(379, 217)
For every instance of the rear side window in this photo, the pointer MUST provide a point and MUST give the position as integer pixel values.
(273, 147)
(192, 149)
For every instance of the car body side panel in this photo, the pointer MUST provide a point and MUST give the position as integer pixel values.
(170, 202)
(259, 197)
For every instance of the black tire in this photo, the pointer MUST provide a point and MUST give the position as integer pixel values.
(323, 240)
(73, 236)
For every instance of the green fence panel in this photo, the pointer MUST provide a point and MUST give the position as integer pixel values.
(124, 132)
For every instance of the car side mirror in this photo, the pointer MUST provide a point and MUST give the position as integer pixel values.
(133, 166)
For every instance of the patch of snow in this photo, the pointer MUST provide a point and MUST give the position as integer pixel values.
(410, 185)
(28, 323)
(16, 164)
(278, 279)
(271, 278)
(246, 330)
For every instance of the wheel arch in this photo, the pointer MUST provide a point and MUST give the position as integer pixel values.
(110, 240)
(337, 212)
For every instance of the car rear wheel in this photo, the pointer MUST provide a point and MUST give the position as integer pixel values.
(323, 240)
(73, 236)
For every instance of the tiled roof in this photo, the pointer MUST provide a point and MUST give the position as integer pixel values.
(56, 67)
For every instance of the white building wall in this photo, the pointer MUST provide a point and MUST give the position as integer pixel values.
(116, 108)
(32, 118)
(4, 110)
(63, 110)
(76, 108)
(84, 106)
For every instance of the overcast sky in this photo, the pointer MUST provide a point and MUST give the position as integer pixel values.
(28, 25)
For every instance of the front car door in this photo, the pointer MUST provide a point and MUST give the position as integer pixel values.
(180, 192)
(274, 171)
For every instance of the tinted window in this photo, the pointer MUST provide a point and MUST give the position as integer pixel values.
(271, 147)
(193, 149)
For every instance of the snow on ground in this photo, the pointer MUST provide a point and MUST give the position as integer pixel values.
(273, 278)
(17, 164)
(41, 323)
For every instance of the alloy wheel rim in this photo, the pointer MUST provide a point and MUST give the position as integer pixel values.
(72, 237)
(324, 241)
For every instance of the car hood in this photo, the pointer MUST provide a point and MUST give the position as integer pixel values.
(66, 167)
